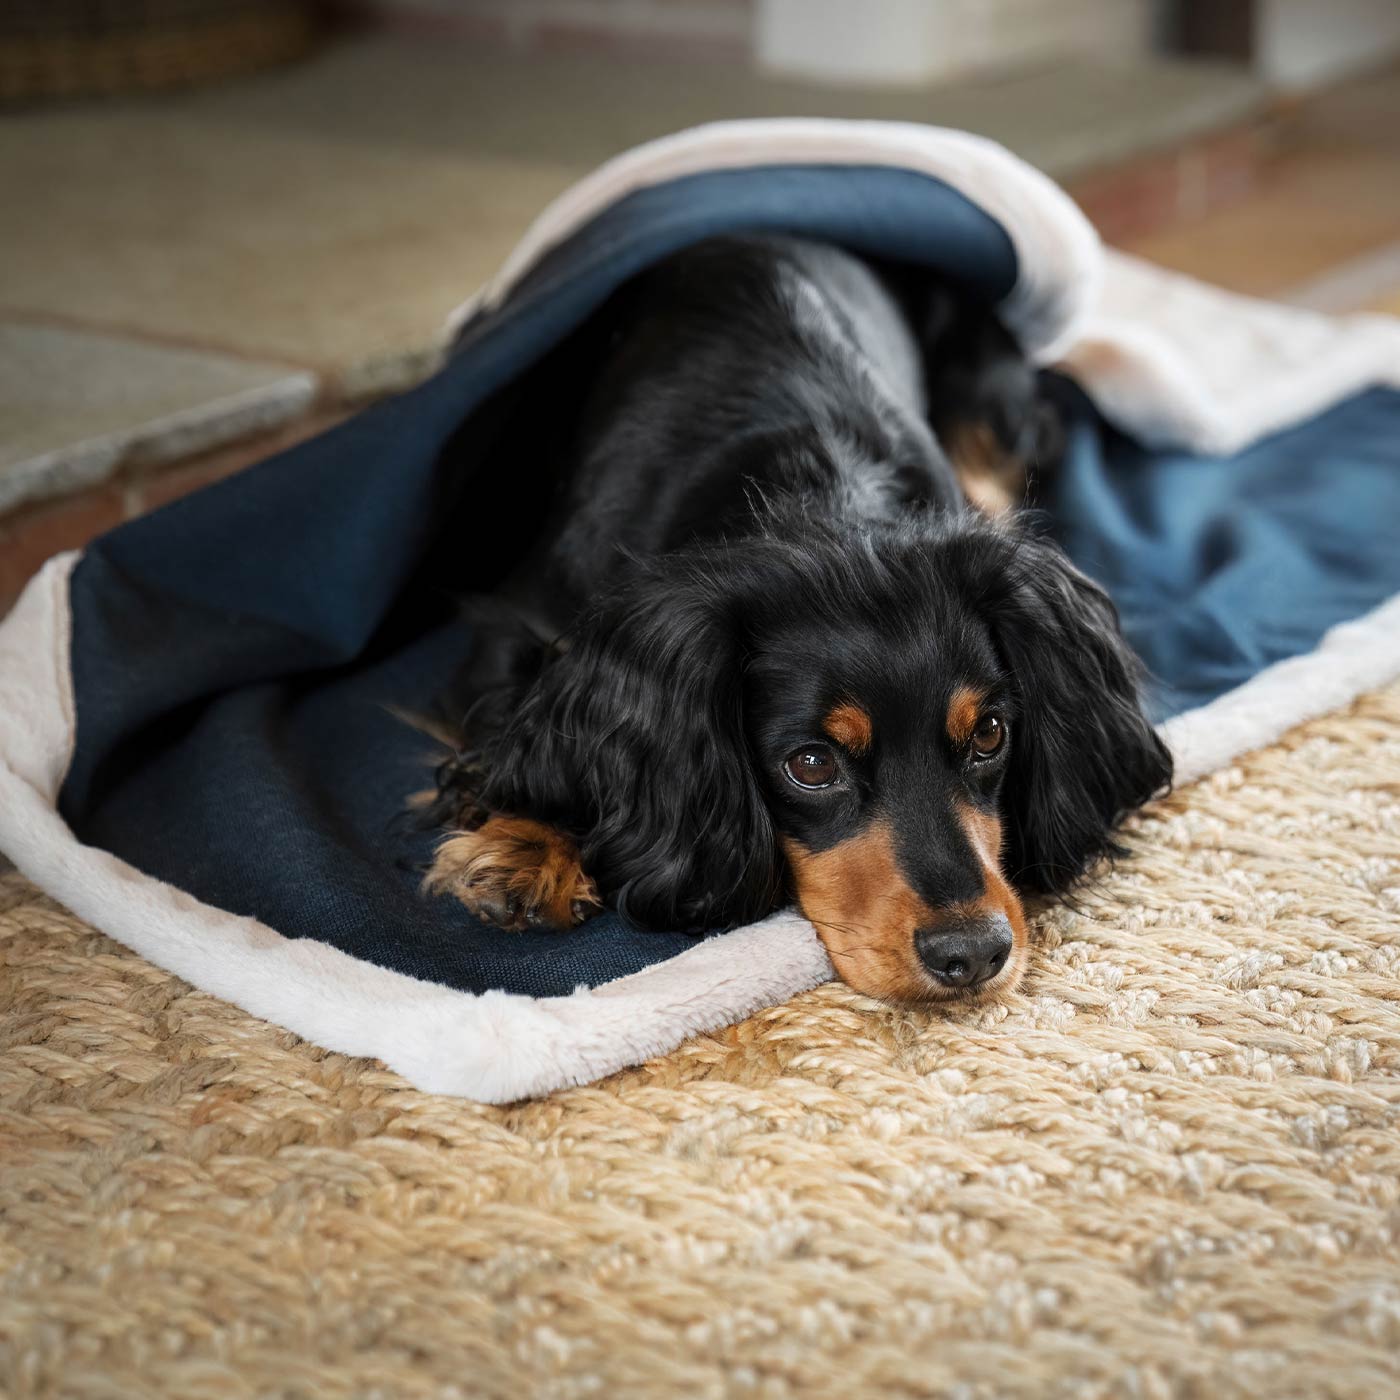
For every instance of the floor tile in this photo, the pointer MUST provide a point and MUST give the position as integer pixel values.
(581, 109)
(276, 245)
(76, 405)
(171, 256)
(332, 214)
(1332, 198)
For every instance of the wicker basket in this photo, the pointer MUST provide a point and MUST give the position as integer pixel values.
(73, 48)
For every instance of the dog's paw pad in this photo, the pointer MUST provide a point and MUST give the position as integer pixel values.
(516, 874)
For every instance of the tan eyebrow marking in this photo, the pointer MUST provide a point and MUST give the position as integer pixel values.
(850, 727)
(963, 711)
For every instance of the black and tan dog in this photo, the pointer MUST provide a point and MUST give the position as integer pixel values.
(784, 658)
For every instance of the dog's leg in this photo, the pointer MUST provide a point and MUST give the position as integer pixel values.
(992, 478)
(515, 873)
(984, 400)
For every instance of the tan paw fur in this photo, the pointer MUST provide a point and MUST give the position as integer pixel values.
(991, 478)
(515, 873)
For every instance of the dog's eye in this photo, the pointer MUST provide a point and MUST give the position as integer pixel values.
(812, 767)
(988, 737)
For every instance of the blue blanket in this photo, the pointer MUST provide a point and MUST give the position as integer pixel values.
(236, 657)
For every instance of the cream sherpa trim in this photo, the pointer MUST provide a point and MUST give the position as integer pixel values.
(1177, 363)
(1057, 249)
(1165, 358)
(495, 1047)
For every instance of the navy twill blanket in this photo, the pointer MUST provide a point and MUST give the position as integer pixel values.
(197, 747)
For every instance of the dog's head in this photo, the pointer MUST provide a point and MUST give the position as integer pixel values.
(899, 726)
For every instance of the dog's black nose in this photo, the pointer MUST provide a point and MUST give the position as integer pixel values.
(965, 952)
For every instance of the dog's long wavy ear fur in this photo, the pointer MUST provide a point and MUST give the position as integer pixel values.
(1083, 753)
(633, 740)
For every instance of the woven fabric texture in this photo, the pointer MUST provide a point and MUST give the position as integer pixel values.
(1170, 1167)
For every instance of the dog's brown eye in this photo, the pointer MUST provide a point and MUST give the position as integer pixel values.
(812, 767)
(988, 736)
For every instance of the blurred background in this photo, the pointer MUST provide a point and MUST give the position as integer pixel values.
(227, 223)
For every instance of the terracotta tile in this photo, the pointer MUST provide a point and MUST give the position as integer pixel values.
(1132, 198)
(1368, 283)
(1223, 170)
(1268, 242)
(76, 406)
(1326, 192)
(31, 537)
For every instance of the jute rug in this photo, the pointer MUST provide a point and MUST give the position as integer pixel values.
(1171, 1167)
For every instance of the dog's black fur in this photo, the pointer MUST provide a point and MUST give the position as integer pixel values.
(762, 549)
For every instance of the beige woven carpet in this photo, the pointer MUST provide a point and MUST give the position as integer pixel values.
(1171, 1167)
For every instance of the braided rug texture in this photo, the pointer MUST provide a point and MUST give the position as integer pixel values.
(1170, 1167)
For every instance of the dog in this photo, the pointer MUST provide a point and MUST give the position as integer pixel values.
(779, 639)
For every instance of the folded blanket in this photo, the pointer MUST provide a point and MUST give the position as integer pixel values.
(197, 747)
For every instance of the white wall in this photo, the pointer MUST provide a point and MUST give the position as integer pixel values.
(914, 41)
(1307, 43)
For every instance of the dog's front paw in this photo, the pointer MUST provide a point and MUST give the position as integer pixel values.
(515, 873)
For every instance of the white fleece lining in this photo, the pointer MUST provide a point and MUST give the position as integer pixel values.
(1057, 249)
(1164, 357)
(1352, 657)
(1177, 363)
(496, 1047)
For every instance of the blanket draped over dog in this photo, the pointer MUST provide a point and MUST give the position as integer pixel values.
(198, 747)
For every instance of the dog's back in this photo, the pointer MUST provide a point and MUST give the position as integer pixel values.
(739, 373)
(738, 369)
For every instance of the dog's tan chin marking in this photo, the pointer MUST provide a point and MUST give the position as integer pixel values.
(866, 914)
(515, 873)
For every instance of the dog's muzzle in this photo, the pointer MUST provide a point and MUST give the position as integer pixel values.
(965, 952)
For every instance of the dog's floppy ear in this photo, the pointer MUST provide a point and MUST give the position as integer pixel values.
(1083, 753)
(633, 739)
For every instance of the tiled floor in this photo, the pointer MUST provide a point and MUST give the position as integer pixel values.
(1332, 199)
(183, 269)
(275, 244)
(1370, 280)
(339, 210)
(327, 217)
(66, 397)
